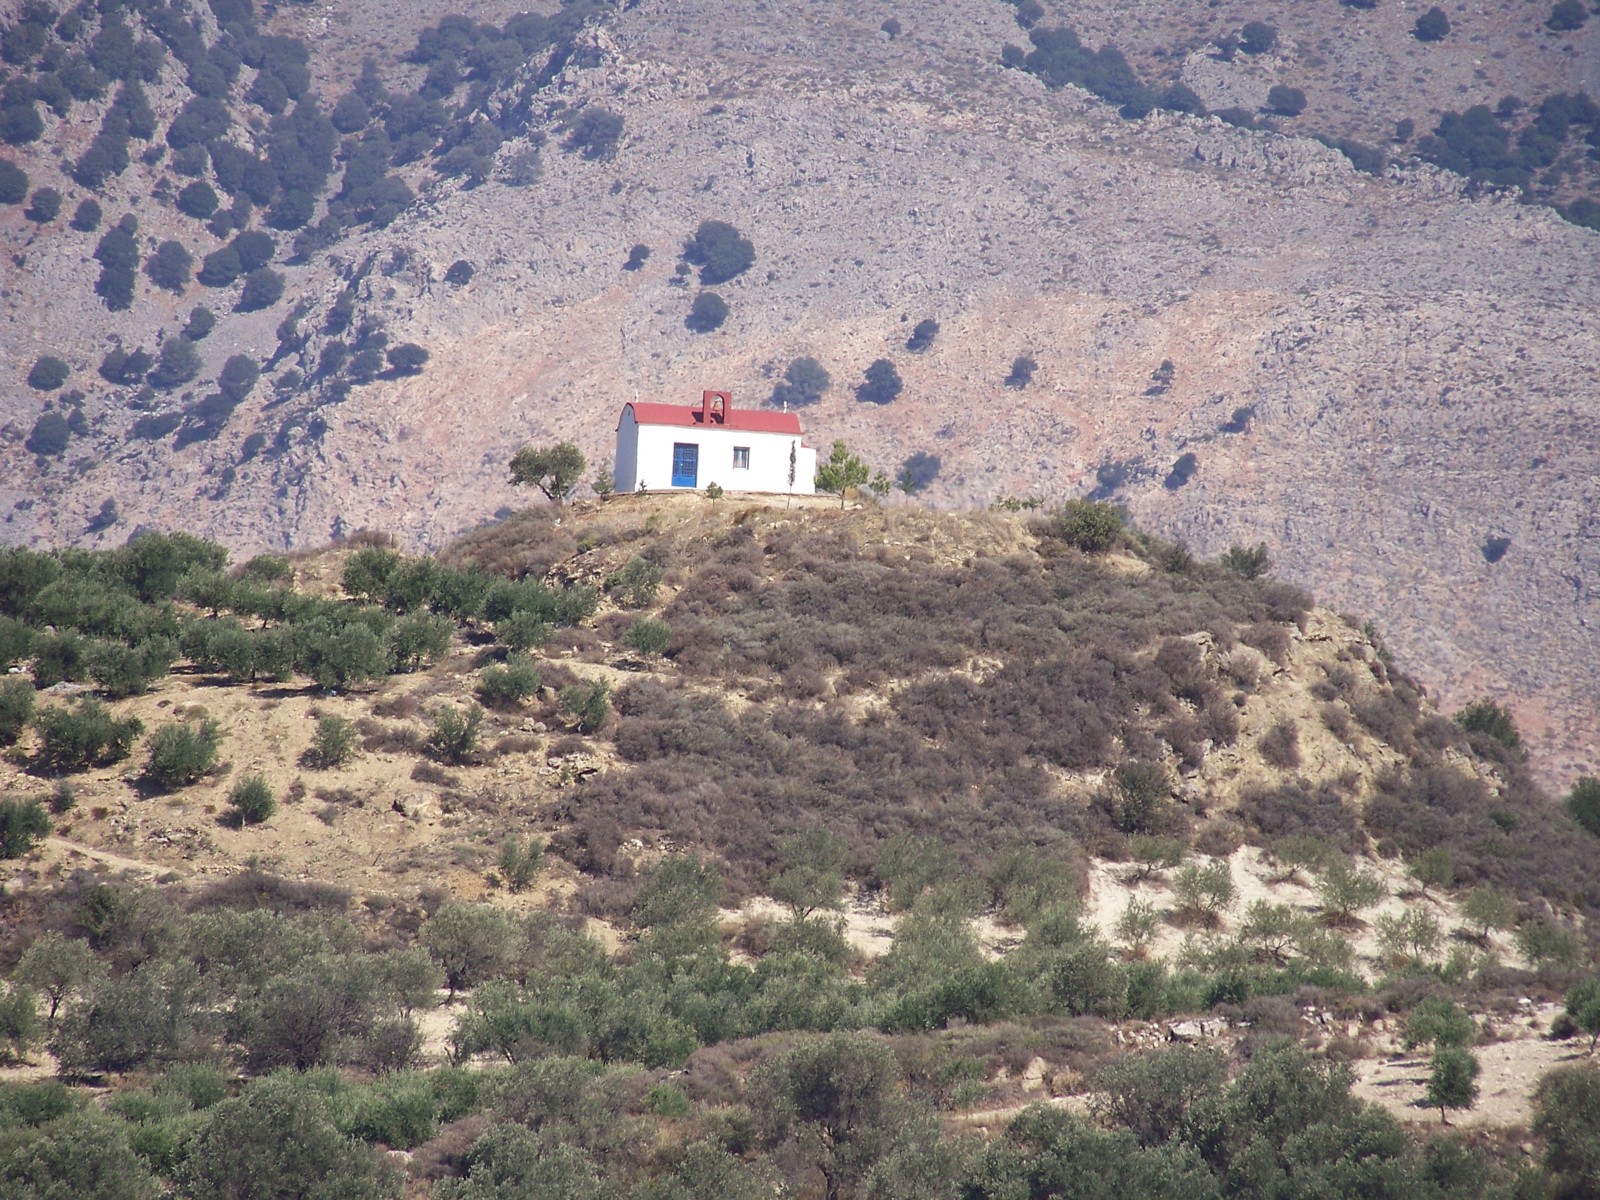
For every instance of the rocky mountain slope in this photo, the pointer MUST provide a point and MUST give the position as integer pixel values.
(1381, 378)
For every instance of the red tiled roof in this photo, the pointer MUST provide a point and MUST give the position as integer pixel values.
(750, 420)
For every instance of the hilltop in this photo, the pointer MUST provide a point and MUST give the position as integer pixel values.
(1020, 796)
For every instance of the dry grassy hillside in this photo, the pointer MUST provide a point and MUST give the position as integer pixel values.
(1017, 808)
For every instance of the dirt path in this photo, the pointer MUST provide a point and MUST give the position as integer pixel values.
(70, 849)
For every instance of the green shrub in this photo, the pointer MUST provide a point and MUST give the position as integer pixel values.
(706, 313)
(84, 735)
(1257, 37)
(523, 630)
(48, 373)
(804, 381)
(50, 435)
(334, 743)
(20, 1026)
(86, 217)
(720, 251)
(1142, 789)
(398, 1110)
(1432, 26)
(647, 636)
(16, 708)
(263, 287)
(1583, 801)
(1090, 525)
(509, 685)
(44, 206)
(881, 383)
(1566, 1108)
(1488, 719)
(23, 824)
(636, 584)
(1286, 101)
(1545, 943)
(1250, 562)
(123, 670)
(587, 703)
(455, 734)
(520, 862)
(251, 800)
(63, 798)
(1566, 16)
(922, 336)
(182, 752)
(594, 132)
(1204, 892)
(13, 183)
(1439, 1021)
(1345, 889)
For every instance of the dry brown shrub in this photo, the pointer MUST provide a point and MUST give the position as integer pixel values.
(445, 1155)
(1280, 745)
(1271, 640)
(261, 889)
(1219, 837)
(526, 543)
(1336, 720)
(431, 772)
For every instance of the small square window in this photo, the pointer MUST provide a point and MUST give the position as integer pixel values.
(741, 458)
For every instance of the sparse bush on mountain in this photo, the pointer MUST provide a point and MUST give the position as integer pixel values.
(455, 734)
(922, 336)
(43, 206)
(1022, 369)
(251, 800)
(49, 436)
(263, 287)
(48, 373)
(1485, 718)
(804, 381)
(706, 313)
(1257, 37)
(170, 267)
(1249, 562)
(1583, 802)
(594, 132)
(882, 384)
(1286, 101)
(85, 218)
(334, 743)
(509, 685)
(720, 251)
(1432, 26)
(178, 363)
(1566, 16)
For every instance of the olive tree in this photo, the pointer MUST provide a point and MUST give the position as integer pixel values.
(554, 470)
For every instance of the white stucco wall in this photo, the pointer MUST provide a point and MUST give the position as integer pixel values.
(644, 456)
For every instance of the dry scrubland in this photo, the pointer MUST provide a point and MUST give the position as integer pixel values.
(1052, 818)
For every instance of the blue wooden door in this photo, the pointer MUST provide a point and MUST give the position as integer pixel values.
(685, 465)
